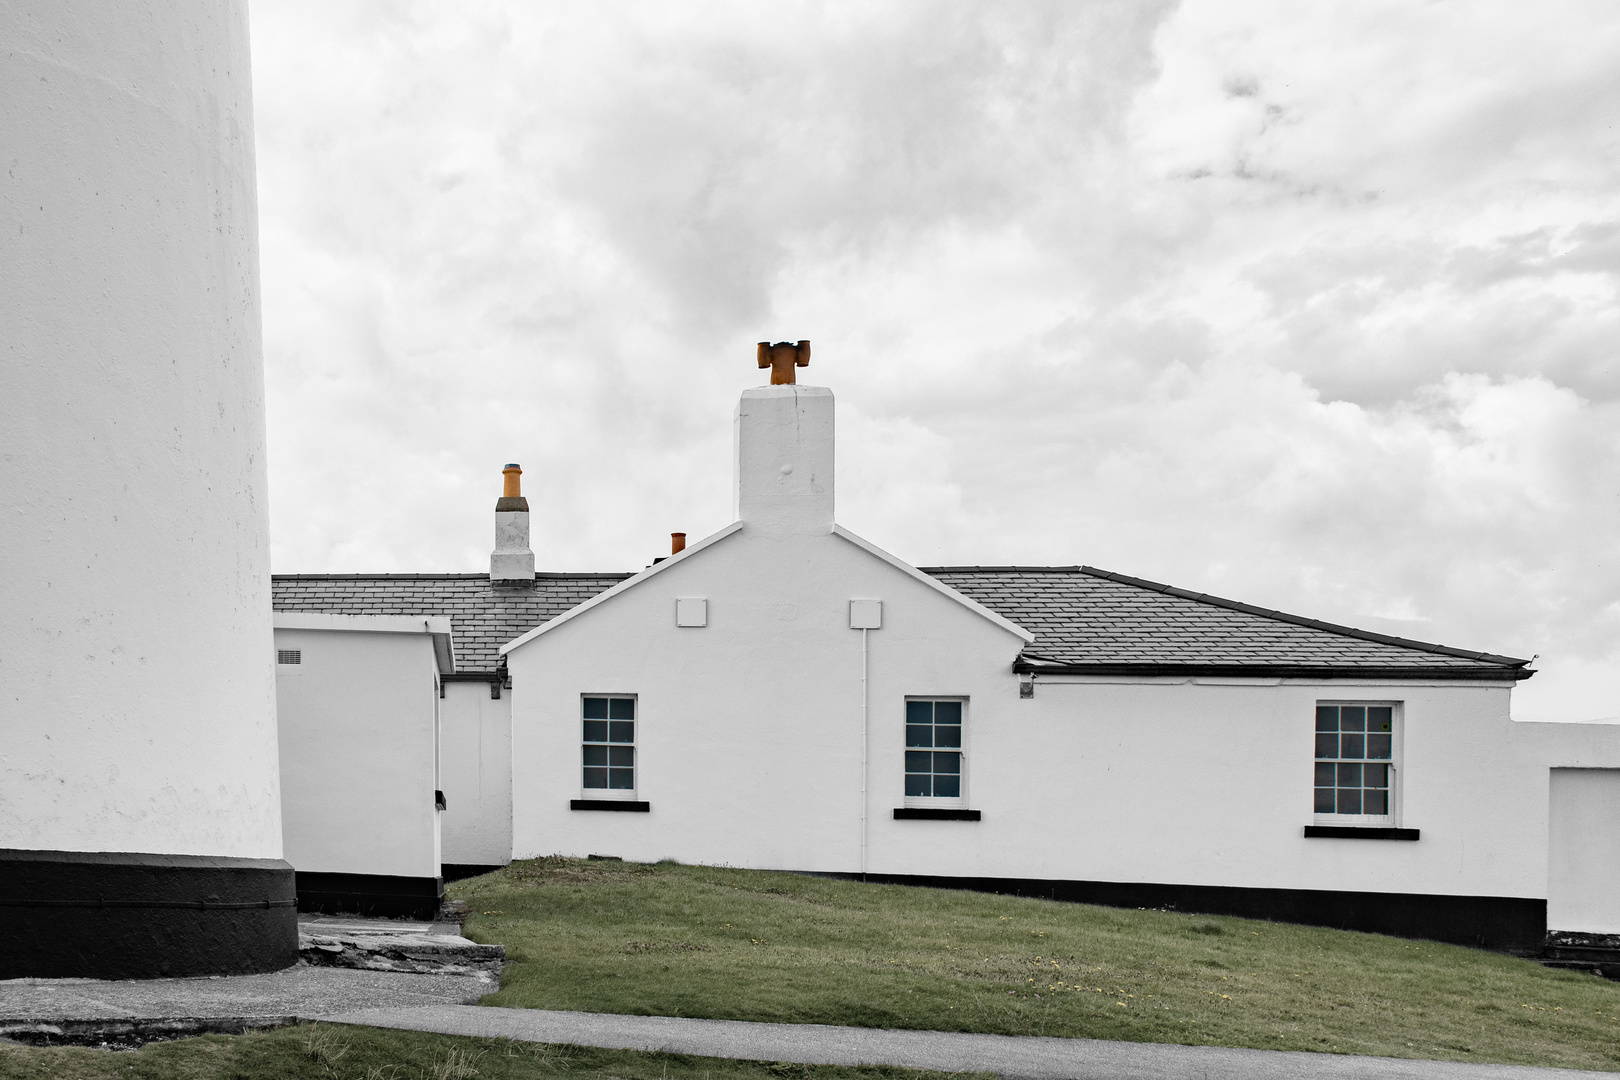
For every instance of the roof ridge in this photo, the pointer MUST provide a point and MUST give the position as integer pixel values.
(1026, 569)
(539, 576)
(1302, 620)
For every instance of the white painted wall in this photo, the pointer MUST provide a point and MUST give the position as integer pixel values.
(1584, 851)
(749, 731)
(1209, 782)
(358, 718)
(475, 772)
(135, 650)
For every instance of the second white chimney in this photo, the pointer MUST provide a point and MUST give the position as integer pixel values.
(512, 563)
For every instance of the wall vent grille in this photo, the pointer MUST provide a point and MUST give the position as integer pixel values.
(289, 656)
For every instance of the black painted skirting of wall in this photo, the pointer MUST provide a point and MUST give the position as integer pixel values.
(134, 915)
(1504, 923)
(370, 894)
(461, 871)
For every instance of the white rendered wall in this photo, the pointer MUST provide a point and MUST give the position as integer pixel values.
(139, 712)
(749, 728)
(475, 772)
(1584, 857)
(357, 718)
(1205, 782)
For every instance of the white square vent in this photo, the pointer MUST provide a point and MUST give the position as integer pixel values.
(691, 611)
(865, 614)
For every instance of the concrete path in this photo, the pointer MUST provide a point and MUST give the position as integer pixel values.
(303, 991)
(359, 964)
(1010, 1056)
(297, 991)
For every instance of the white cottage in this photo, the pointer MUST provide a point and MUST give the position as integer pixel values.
(786, 695)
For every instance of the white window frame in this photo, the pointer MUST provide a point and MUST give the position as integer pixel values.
(1396, 794)
(618, 794)
(941, 801)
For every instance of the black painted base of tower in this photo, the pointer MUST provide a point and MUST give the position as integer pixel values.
(1503, 923)
(371, 894)
(130, 915)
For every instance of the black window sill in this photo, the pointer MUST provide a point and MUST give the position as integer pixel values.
(920, 813)
(1361, 832)
(609, 804)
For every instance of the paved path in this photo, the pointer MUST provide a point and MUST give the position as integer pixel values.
(304, 990)
(1010, 1056)
(298, 991)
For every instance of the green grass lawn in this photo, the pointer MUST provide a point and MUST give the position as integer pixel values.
(337, 1052)
(677, 940)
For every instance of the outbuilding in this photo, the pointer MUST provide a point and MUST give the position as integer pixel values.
(357, 707)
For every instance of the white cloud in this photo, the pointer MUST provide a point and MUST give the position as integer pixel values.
(1312, 305)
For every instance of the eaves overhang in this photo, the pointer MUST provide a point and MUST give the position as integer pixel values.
(1028, 665)
(437, 627)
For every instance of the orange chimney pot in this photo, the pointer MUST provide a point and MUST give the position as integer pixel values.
(677, 543)
(514, 486)
(782, 358)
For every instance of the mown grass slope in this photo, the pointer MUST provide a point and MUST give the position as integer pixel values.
(753, 945)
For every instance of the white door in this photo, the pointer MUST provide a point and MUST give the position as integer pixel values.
(1583, 855)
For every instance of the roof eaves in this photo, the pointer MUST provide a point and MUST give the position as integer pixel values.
(437, 627)
(539, 576)
(1001, 569)
(628, 583)
(1034, 665)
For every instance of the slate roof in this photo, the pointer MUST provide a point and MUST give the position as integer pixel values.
(482, 617)
(1093, 621)
(1085, 621)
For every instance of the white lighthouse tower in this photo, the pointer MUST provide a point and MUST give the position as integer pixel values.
(140, 820)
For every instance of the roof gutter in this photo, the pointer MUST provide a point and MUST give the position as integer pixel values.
(1383, 673)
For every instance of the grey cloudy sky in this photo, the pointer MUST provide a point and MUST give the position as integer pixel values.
(1309, 305)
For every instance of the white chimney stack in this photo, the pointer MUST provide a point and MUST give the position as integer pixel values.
(784, 449)
(512, 563)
